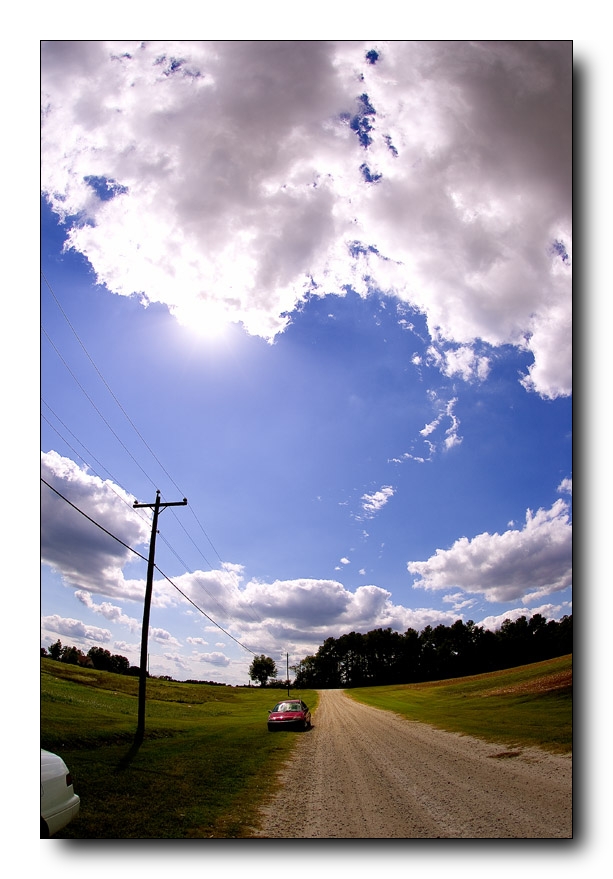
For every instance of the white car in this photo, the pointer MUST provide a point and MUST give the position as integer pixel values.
(58, 802)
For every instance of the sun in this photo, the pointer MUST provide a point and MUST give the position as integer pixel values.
(208, 320)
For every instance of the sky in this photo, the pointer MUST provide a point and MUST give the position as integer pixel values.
(322, 290)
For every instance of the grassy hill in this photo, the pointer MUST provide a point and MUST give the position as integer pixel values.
(530, 705)
(208, 762)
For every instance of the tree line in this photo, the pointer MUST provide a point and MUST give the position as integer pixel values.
(104, 660)
(383, 657)
(96, 657)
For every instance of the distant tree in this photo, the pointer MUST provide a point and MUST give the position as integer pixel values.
(262, 668)
(565, 636)
(55, 650)
(43, 651)
(306, 673)
(120, 664)
(73, 655)
(102, 659)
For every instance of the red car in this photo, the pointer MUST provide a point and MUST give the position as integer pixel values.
(289, 714)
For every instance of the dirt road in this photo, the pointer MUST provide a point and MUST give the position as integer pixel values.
(362, 773)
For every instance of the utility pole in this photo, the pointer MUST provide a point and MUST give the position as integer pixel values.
(142, 677)
(287, 660)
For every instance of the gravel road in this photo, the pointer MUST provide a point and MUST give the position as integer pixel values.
(363, 773)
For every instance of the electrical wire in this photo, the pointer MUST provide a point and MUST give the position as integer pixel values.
(72, 448)
(93, 521)
(122, 409)
(166, 577)
(138, 433)
(120, 441)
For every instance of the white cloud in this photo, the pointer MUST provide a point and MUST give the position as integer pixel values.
(176, 659)
(87, 557)
(111, 612)
(445, 415)
(566, 486)
(465, 363)
(216, 658)
(300, 614)
(161, 636)
(242, 173)
(459, 602)
(373, 503)
(126, 648)
(55, 625)
(549, 611)
(535, 561)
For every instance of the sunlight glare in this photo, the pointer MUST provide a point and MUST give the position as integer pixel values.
(209, 320)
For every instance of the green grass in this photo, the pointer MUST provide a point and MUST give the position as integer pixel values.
(208, 762)
(204, 768)
(526, 706)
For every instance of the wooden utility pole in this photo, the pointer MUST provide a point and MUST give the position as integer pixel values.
(142, 677)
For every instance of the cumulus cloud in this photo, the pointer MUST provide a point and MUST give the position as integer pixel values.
(232, 179)
(74, 629)
(302, 613)
(463, 362)
(526, 564)
(112, 612)
(86, 556)
(177, 660)
(218, 659)
(161, 636)
(127, 648)
(549, 611)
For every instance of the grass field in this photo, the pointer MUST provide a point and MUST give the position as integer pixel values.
(207, 761)
(530, 705)
(205, 765)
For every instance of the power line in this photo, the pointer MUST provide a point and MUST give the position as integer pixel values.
(168, 544)
(72, 448)
(118, 403)
(107, 386)
(144, 558)
(120, 441)
(244, 646)
(114, 481)
(122, 409)
(93, 521)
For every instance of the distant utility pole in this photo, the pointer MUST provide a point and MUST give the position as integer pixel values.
(142, 677)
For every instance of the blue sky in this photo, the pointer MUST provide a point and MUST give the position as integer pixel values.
(322, 290)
